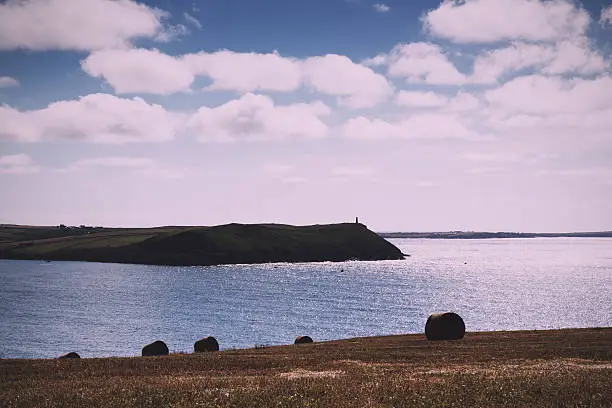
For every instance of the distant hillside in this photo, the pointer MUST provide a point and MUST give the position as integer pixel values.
(224, 244)
(484, 235)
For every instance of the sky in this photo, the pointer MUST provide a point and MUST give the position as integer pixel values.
(413, 115)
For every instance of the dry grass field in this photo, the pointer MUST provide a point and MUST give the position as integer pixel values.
(557, 368)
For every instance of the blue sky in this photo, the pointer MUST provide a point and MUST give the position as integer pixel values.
(412, 115)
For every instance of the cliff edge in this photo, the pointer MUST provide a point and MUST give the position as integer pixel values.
(223, 244)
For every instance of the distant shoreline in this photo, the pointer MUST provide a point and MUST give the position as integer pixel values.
(489, 235)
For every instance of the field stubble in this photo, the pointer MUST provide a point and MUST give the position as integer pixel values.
(554, 368)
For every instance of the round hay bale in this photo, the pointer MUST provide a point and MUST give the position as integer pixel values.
(206, 344)
(444, 326)
(303, 340)
(157, 348)
(72, 354)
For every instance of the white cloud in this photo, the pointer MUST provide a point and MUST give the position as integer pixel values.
(419, 126)
(294, 180)
(575, 57)
(599, 172)
(463, 102)
(570, 132)
(425, 184)
(170, 32)
(460, 102)
(139, 71)
(76, 25)
(247, 72)
(99, 118)
(561, 58)
(420, 62)
(192, 20)
(492, 157)
(537, 94)
(284, 173)
(356, 85)
(414, 99)
(150, 71)
(15, 160)
(277, 169)
(17, 125)
(365, 128)
(505, 157)
(490, 170)
(257, 118)
(17, 164)
(381, 8)
(489, 66)
(489, 21)
(136, 165)
(427, 63)
(551, 112)
(115, 161)
(352, 172)
(8, 82)
(606, 16)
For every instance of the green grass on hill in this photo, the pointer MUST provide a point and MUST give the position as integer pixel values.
(224, 244)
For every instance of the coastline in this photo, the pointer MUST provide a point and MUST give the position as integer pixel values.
(197, 246)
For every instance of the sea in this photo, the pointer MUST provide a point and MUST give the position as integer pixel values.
(100, 310)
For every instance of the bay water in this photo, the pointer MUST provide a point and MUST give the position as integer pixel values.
(50, 308)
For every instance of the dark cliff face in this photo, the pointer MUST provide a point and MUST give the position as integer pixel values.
(227, 244)
(234, 243)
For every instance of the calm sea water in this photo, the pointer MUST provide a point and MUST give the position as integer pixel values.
(47, 309)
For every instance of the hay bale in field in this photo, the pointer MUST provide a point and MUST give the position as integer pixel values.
(206, 344)
(445, 326)
(303, 340)
(72, 354)
(157, 348)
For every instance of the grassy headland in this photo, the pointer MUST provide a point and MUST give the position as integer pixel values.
(223, 244)
(556, 368)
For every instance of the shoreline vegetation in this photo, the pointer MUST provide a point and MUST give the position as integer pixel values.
(217, 245)
(544, 368)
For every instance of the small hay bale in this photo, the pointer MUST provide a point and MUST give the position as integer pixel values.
(206, 344)
(444, 326)
(72, 354)
(157, 348)
(303, 340)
